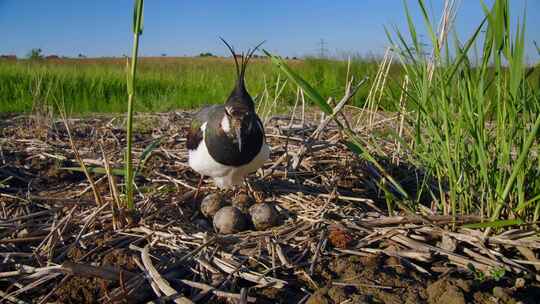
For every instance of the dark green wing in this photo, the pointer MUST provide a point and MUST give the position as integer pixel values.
(195, 134)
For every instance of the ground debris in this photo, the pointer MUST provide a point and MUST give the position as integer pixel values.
(335, 241)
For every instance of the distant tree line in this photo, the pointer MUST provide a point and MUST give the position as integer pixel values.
(207, 54)
(10, 57)
(37, 54)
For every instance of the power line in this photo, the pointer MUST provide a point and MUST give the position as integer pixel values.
(323, 51)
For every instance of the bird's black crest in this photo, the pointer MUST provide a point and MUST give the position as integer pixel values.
(244, 60)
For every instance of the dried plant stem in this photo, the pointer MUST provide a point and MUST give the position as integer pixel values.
(97, 195)
(112, 186)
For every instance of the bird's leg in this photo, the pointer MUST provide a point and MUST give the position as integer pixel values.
(199, 185)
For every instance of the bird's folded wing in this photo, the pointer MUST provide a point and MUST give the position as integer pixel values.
(195, 134)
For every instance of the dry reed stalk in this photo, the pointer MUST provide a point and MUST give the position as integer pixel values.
(117, 206)
(97, 195)
(445, 26)
(376, 88)
(401, 118)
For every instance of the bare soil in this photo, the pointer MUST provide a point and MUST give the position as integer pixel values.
(335, 242)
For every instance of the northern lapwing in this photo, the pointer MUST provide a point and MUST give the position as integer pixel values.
(227, 142)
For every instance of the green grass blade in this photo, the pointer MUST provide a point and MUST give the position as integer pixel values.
(517, 167)
(527, 203)
(495, 224)
(463, 55)
(354, 142)
(358, 149)
(96, 170)
(304, 85)
(429, 27)
(145, 155)
(138, 17)
(412, 29)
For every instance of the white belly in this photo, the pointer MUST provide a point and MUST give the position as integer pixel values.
(223, 175)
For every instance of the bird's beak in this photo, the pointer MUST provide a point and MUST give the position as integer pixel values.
(238, 131)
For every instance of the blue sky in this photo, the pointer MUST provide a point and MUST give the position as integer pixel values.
(178, 28)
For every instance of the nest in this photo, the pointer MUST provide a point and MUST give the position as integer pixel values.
(61, 241)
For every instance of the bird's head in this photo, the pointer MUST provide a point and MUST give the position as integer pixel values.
(239, 108)
(237, 122)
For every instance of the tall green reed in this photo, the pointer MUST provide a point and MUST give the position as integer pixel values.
(475, 119)
(137, 31)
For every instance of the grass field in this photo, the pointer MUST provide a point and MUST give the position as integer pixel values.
(99, 85)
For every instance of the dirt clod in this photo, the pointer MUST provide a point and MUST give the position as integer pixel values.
(339, 236)
(337, 294)
(77, 290)
(444, 291)
(319, 297)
